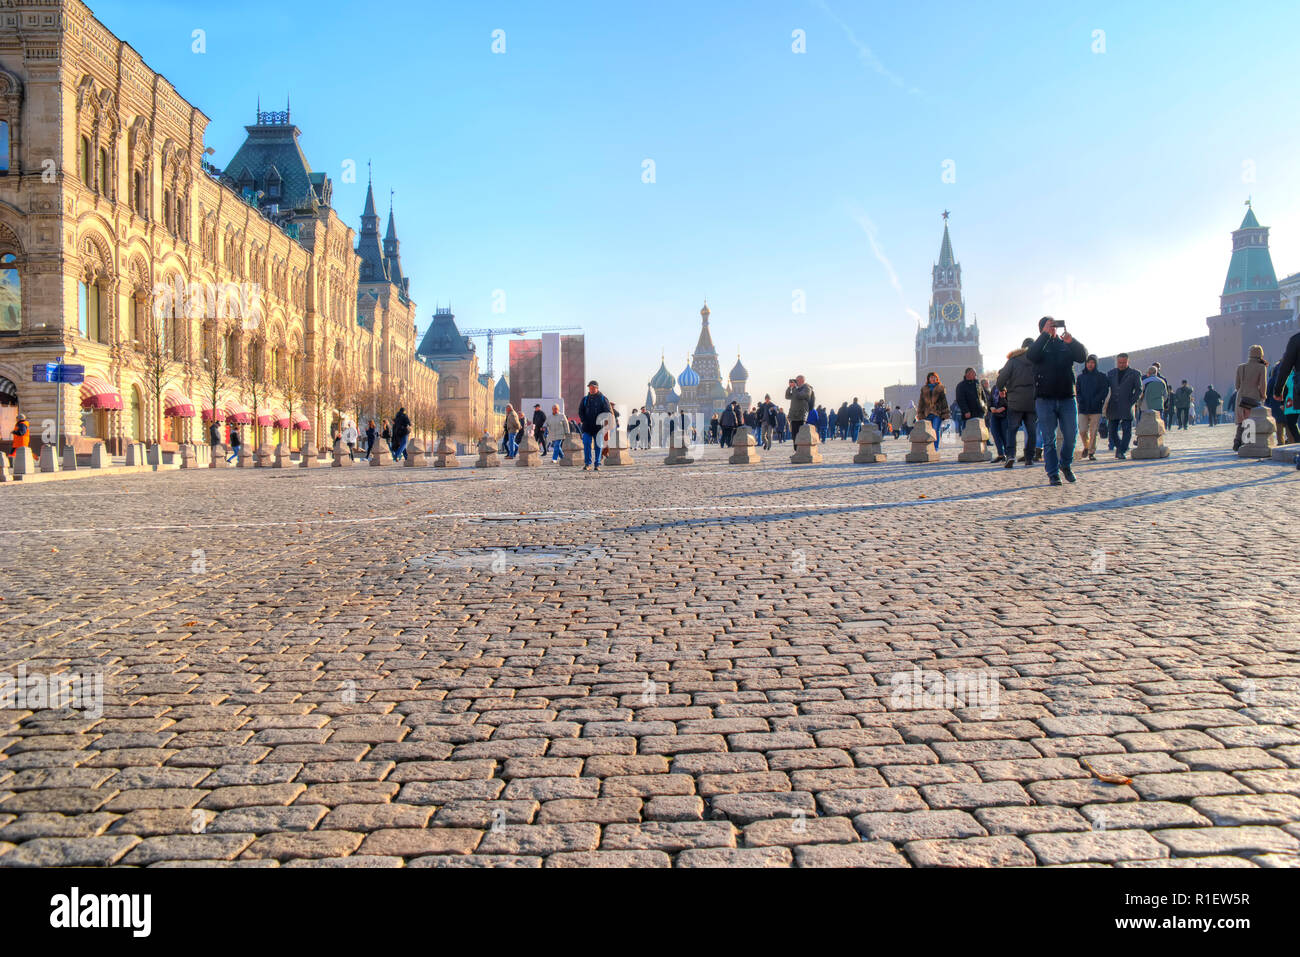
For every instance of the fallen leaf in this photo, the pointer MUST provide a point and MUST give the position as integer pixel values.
(1105, 778)
(189, 624)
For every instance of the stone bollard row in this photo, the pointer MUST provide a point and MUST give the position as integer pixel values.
(445, 456)
(974, 440)
(1149, 441)
(806, 444)
(869, 450)
(1257, 434)
(744, 450)
(923, 450)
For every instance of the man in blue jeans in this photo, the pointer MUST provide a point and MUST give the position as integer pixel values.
(1054, 354)
(590, 409)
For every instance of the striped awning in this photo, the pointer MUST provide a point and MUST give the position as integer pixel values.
(280, 418)
(176, 406)
(98, 394)
(301, 422)
(237, 412)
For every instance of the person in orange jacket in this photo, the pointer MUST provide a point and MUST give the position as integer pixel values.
(22, 433)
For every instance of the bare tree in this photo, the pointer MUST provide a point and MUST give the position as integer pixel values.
(291, 386)
(158, 362)
(216, 374)
(255, 380)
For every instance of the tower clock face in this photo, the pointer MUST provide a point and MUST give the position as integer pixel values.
(952, 311)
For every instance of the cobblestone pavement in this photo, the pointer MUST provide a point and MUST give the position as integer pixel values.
(703, 665)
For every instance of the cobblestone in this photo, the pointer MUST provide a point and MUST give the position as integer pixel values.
(704, 693)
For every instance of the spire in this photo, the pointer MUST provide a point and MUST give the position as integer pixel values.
(373, 266)
(704, 347)
(946, 258)
(392, 255)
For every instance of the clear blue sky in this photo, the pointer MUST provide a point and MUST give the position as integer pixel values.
(1098, 186)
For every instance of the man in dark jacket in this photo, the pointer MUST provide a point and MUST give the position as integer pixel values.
(539, 424)
(767, 420)
(1212, 400)
(1054, 357)
(1017, 378)
(1125, 390)
(728, 424)
(1183, 399)
(401, 433)
(855, 419)
(803, 401)
(590, 409)
(971, 398)
(1093, 388)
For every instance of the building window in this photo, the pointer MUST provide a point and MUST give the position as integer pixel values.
(105, 175)
(88, 315)
(4, 147)
(11, 295)
(137, 191)
(84, 168)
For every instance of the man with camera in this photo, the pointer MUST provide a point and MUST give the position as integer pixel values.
(802, 401)
(1054, 354)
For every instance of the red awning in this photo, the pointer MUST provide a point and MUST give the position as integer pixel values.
(98, 394)
(264, 419)
(301, 422)
(280, 418)
(176, 406)
(237, 413)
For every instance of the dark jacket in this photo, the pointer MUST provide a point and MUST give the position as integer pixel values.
(1093, 387)
(802, 401)
(1212, 399)
(214, 434)
(767, 413)
(971, 398)
(1017, 377)
(235, 441)
(1054, 360)
(1290, 358)
(539, 423)
(1125, 389)
(855, 414)
(728, 420)
(1183, 397)
(401, 426)
(590, 409)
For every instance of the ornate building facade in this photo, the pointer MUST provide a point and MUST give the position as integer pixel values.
(700, 382)
(466, 397)
(187, 292)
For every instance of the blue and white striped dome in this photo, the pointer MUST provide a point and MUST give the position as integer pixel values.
(689, 378)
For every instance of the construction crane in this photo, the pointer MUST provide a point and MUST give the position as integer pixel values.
(512, 331)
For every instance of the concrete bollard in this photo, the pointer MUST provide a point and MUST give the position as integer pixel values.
(616, 452)
(415, 457)
(155, 456)
(1257, 434)
(99, 457)
(244, 459)
(974, 439)
(283, 458)
(24, 461)
(218, 460)
(869, 452)
(49, 461)
(571, 448)
(923, 437)
(529, 455)
(342, 456)
(135, 455)
(381, 454)
(1149, 438)
(445, 456)
(677, 449)
(487, 454)
(6, 472)
(806, 446)
(744, 450)
(307, 457)
(262, 457)
(189, 456)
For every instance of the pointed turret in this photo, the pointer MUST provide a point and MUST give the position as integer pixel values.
(704, 347)
(373, 268)
(946, 258)
(392, 256)
(1251, 283)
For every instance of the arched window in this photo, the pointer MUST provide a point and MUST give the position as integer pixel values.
(139, 317)
(11, 295)
(85, 167)
(137, 193)
(105, 175)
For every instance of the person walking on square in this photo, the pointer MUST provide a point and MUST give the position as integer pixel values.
(512, 426)
(909, 418)
(802, 400)
(728, 425)
(401, 433)
(349, 437)
(998, 423)
(214, 434)
(933, 404)
(1183, 400)
(1054, 357)
(896, 422)
(1017, 379)
(971, 397)
(590, 409)
(1153, 394)
(1212, 400)
(386, 433)
(539, 425)
(235, 443)
(1093, 387)
(371, 435)
(767, 419)
(1125, 392)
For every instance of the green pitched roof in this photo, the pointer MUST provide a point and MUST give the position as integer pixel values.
(1250, 222)
(1251, 269)
(275, 145)
(946, 258)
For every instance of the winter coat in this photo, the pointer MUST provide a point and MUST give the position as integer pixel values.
(401, 426)
(558, 426)
(1252, 382)
(1183, 397)
(971, 398)
(590, 409)
(214, 434)
(1017, 377)
(855, 414)
(728, 420)
(1212, 399)
(1125, 389)
(933, 401)
(512, 421)
(1093, 387)
(1054, 360)
(802, 401)
(22, 434)
(896, 420)
(1154, 393)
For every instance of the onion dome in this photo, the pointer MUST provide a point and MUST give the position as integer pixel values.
(663, 379)
(689, 378)
(738, 371)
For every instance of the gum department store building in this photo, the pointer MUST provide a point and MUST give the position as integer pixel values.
(107, 199)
